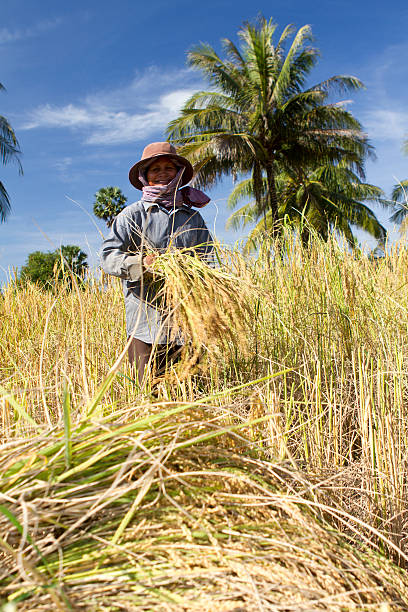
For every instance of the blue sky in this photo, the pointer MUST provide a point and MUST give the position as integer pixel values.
(90, 83)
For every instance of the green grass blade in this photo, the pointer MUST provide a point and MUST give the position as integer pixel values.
(19, 409)
(67, 427)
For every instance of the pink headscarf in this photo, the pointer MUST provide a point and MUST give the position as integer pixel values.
(169, 195)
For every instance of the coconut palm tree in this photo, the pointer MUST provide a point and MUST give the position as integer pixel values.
(258, 115)
(321, 199)
(9, 151)
(399, 198)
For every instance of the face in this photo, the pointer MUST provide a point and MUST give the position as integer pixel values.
(161, 171)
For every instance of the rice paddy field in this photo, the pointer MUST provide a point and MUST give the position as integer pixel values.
(267, 470)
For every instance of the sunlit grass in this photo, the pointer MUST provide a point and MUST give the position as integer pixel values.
(294, 379)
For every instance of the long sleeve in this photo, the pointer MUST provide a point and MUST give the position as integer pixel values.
(119, 255)
(204, 243)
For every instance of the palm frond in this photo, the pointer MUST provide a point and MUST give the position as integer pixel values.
(400, 192)
(261, 231)
(244, 189)
(9, 147)
(9, 151)
(364, 218)
(303, 35)
(212, 119)
(287, 32)
(243, 216)
(339, 83)
(233, 52)
(223, 75)
(399, 199)
(202, 99)
(4, 203)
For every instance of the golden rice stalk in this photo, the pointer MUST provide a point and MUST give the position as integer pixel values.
(213, 306)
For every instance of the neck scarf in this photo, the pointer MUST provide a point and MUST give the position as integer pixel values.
(170, 196)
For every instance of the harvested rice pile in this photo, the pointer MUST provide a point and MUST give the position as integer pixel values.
(151, 514)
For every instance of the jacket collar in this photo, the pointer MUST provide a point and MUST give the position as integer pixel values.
(148, 205)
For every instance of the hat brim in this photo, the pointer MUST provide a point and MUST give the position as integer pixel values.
(187, 174)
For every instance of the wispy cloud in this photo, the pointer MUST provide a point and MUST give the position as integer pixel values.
(127, 114)
(63, 167)
(384, 114)
(388, 71)
(9, 36)
(386, 124)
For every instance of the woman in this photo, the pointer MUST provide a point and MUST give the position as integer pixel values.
(162, 219)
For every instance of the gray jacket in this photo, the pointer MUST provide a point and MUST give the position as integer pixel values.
(144, 225)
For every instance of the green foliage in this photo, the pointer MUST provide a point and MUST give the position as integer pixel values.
(51, 267)
(399, 198)
(9, 151)
(325, 198)
(109, 201)
(260, 119)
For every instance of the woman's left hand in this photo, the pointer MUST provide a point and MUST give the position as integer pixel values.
(149, 260)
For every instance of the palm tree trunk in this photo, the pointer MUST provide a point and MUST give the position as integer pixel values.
(272, 197)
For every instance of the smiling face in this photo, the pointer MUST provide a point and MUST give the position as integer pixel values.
(161, 171)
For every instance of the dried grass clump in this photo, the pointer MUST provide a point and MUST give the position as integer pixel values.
(154, 515)
(213, 306)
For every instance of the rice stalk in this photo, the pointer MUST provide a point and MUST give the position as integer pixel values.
(212, 306)
(332, 323)
(151, 518)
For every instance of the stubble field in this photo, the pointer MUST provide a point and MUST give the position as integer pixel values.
(265, 471)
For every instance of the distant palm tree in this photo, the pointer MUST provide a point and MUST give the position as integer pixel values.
(329, 197)
(109, 201)
(260, 117)
(9, 151)
(399, 198)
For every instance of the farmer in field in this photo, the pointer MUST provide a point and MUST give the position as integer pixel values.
(164, 218)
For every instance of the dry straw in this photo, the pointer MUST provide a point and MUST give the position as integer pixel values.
(212, 305)
(153, 515)
(330, 430)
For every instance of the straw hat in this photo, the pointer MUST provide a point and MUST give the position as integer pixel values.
(159, 149)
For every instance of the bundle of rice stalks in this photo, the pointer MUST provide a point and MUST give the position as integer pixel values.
(213, 306)
(152, 515)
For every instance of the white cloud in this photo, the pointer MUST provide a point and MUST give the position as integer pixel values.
(386, 124)
(9, 36)
(67, 116)
(384, 113)
(63, 164)
(127, 114)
